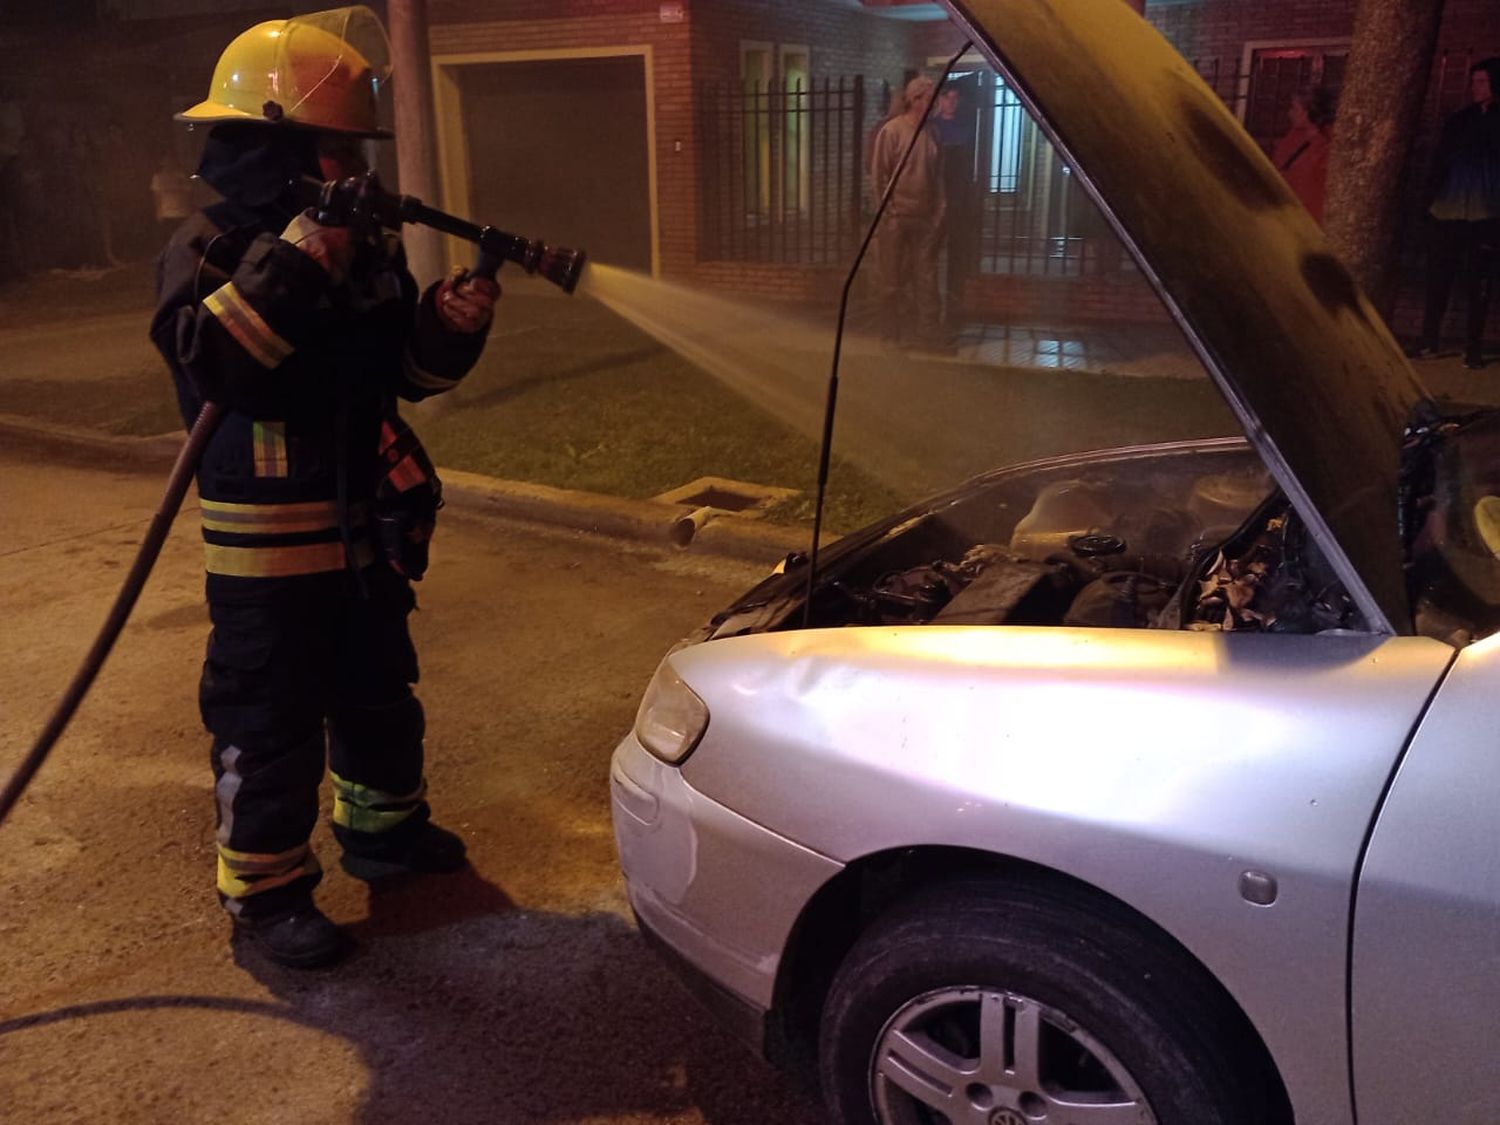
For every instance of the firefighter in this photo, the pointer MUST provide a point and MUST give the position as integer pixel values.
(317, 501)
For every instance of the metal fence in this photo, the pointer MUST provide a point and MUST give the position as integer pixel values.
(1031, 219)
(785, 177)
(782, 171)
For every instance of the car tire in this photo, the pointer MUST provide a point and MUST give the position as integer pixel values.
(984, 1003)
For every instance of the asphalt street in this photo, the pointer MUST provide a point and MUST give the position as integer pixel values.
(516, 992)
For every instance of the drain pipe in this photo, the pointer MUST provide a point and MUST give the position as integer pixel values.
(684, 528)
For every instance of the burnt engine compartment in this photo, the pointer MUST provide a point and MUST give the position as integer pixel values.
(1202, 551)
(1092, 582)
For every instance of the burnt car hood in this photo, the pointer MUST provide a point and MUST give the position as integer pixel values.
(1306, 363)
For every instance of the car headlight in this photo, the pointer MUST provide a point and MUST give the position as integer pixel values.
(672, 718)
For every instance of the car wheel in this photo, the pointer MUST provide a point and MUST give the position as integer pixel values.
(974, 1004)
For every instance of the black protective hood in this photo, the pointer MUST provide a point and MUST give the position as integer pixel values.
(1306, 363)
(250, 165)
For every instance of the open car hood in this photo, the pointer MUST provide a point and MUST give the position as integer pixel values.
(1306, 363)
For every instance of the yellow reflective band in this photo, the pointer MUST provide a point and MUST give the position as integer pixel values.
(426, 379)
(299, 229)
(275, 519)
(247, 326)
(1487, 520)
(269, 440)
(282, 562)
(242, 874)
(362, 808)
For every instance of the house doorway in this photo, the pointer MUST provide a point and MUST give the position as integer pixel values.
(554, 147)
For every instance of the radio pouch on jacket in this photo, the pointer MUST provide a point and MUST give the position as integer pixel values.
(407, 498)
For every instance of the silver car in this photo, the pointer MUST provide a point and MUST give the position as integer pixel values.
(1152, 785)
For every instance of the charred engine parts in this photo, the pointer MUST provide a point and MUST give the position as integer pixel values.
(1209, 552)
(1270, 578)
(1267, 576)
(1092, 584)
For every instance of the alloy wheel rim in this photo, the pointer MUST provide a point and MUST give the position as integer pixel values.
(975, 1056)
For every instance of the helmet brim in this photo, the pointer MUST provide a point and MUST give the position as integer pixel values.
(216, 113)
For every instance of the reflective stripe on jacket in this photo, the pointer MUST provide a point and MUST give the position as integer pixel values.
(310, 374)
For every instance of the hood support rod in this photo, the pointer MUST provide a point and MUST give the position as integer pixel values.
(838, 339)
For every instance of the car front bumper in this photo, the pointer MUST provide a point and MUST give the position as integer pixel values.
(717, 894)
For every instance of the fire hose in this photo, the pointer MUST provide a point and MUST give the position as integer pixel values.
(358, 202)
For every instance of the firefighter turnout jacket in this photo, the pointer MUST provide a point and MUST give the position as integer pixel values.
(309, 371)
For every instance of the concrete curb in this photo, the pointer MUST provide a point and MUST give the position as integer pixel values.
(54, 437)
(646, 521)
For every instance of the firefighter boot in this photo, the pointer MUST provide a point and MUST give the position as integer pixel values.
(416, 846)
(299, 938)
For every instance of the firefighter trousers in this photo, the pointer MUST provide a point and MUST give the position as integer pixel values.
(300, 670)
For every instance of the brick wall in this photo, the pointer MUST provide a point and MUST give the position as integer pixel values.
(802, 285)
(937, 40)
(841, 41)
(458, 26)
(1221, 28)
(705, 47)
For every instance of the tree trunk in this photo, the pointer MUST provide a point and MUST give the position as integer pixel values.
(1384, 87)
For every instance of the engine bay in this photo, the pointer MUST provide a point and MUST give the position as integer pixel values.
(1264, 578)
(1204, 543)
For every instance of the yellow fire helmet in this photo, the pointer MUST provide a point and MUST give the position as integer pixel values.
(323, 71)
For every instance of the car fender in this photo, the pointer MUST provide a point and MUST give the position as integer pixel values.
(1426, 936)
(1183, 773)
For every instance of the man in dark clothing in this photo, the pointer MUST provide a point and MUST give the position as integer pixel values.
(317, 500)
(955, 127)
(906, 248)
(1466, 213)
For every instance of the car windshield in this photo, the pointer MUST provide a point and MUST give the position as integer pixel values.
(1455, 551)
(996, 317)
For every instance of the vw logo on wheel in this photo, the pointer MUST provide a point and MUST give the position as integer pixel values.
(1006, 1117)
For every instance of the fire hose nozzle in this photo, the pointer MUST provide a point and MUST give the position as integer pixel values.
(562, 267)
(360, 200)
(557, 264)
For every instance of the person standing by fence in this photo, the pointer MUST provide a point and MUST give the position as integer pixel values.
(1301, 155)
(911, 230)
(956, 130)
(1465, 208)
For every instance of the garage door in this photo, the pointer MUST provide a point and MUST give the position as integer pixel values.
(558, 150)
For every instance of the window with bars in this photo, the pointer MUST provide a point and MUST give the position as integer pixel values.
(782, 168)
